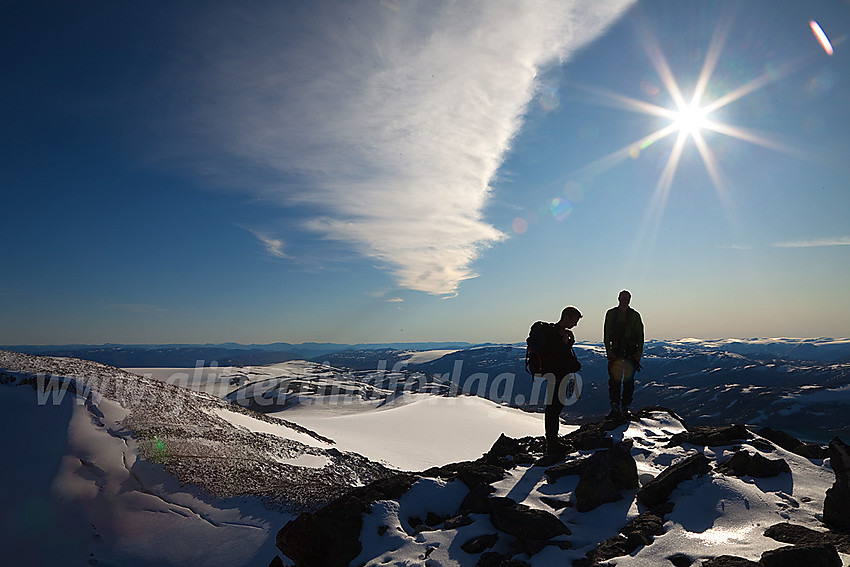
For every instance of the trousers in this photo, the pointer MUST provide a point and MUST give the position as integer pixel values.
(556, 397)
(621, 381)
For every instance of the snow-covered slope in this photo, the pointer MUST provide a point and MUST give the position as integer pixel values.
(137, 471)
(507, 507)
(165, 469)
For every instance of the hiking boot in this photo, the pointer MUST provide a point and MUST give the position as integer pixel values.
(556, 448)
(624, 412)
(614, 413)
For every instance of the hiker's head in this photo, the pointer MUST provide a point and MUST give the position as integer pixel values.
(624, 298)
(569, 317)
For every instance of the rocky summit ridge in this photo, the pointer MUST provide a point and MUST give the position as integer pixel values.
(620, 487)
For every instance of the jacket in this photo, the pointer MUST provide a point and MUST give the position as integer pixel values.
(623, 333)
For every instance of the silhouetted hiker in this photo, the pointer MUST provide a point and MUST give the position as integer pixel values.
(551, 346)
(624, 347)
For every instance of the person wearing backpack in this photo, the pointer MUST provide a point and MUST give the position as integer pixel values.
(623, 336)
(550, 353)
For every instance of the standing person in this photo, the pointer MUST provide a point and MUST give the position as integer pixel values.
(553, 344)
(624, 348)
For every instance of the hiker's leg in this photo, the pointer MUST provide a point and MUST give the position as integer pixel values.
(628, 382)
(554, 405)
(615, 377)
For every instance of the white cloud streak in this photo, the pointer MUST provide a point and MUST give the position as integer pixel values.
(274, 246)
(393, 122)
(817, 243)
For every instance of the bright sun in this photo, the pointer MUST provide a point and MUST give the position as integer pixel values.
(690, 119)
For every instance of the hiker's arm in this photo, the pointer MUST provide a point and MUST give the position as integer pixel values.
(638, 333)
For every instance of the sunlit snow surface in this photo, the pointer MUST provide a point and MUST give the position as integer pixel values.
(101, 500)
(713, 515)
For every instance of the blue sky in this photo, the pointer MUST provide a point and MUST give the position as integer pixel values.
(408, 171)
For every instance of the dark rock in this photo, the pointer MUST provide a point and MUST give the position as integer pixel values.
(330, 537)
(476, 500)
(473, 474)
(712, 436)
(524, 459)
(505, 450)
(801, 535)
(837, 501)
(659, 489)
(791, 443)
(276, 562)
(480, 543)
(603, 475)
(642, 529)
(590, 436)
(680, 560)
(763, 445)
(796, 555)
(433, 519)
(729, 561)
(527, 523)
(595, 491)
(743, 463)
(566, 469)
(615, 546)
(457, 522)
(494, 559)
(636, 533)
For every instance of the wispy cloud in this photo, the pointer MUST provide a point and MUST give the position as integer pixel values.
(390, 124)
(395, 300)
(816, 243)
(274, 246)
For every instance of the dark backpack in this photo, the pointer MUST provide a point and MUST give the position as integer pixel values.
(534, 349)
(539, 354)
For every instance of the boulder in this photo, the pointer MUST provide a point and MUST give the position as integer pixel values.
(797, 555)
(473, 473)
(480, 543)
(603, 475)
(590, 436)
(680, 560)
(476, 501)
(523, 522)
(743, 463)
(729, 561)
(638, 532)
(801, 535)
(659, 489)
(495, 559)
(330, 537)
(791, 443)
(457, 522)
(712, 436)
(837, 501)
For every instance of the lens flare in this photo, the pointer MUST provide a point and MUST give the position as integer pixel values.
(520, 225)
(821, 37)
(560, 208)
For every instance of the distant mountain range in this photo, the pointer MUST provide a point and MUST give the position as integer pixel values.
(237, 354)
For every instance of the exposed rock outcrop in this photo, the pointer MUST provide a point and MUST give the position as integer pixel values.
(330, 537)
(657, 490)
(712, 436)
(801, 535)
(800, 555)
(790, 443)
(754, 465)
(837, 503)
